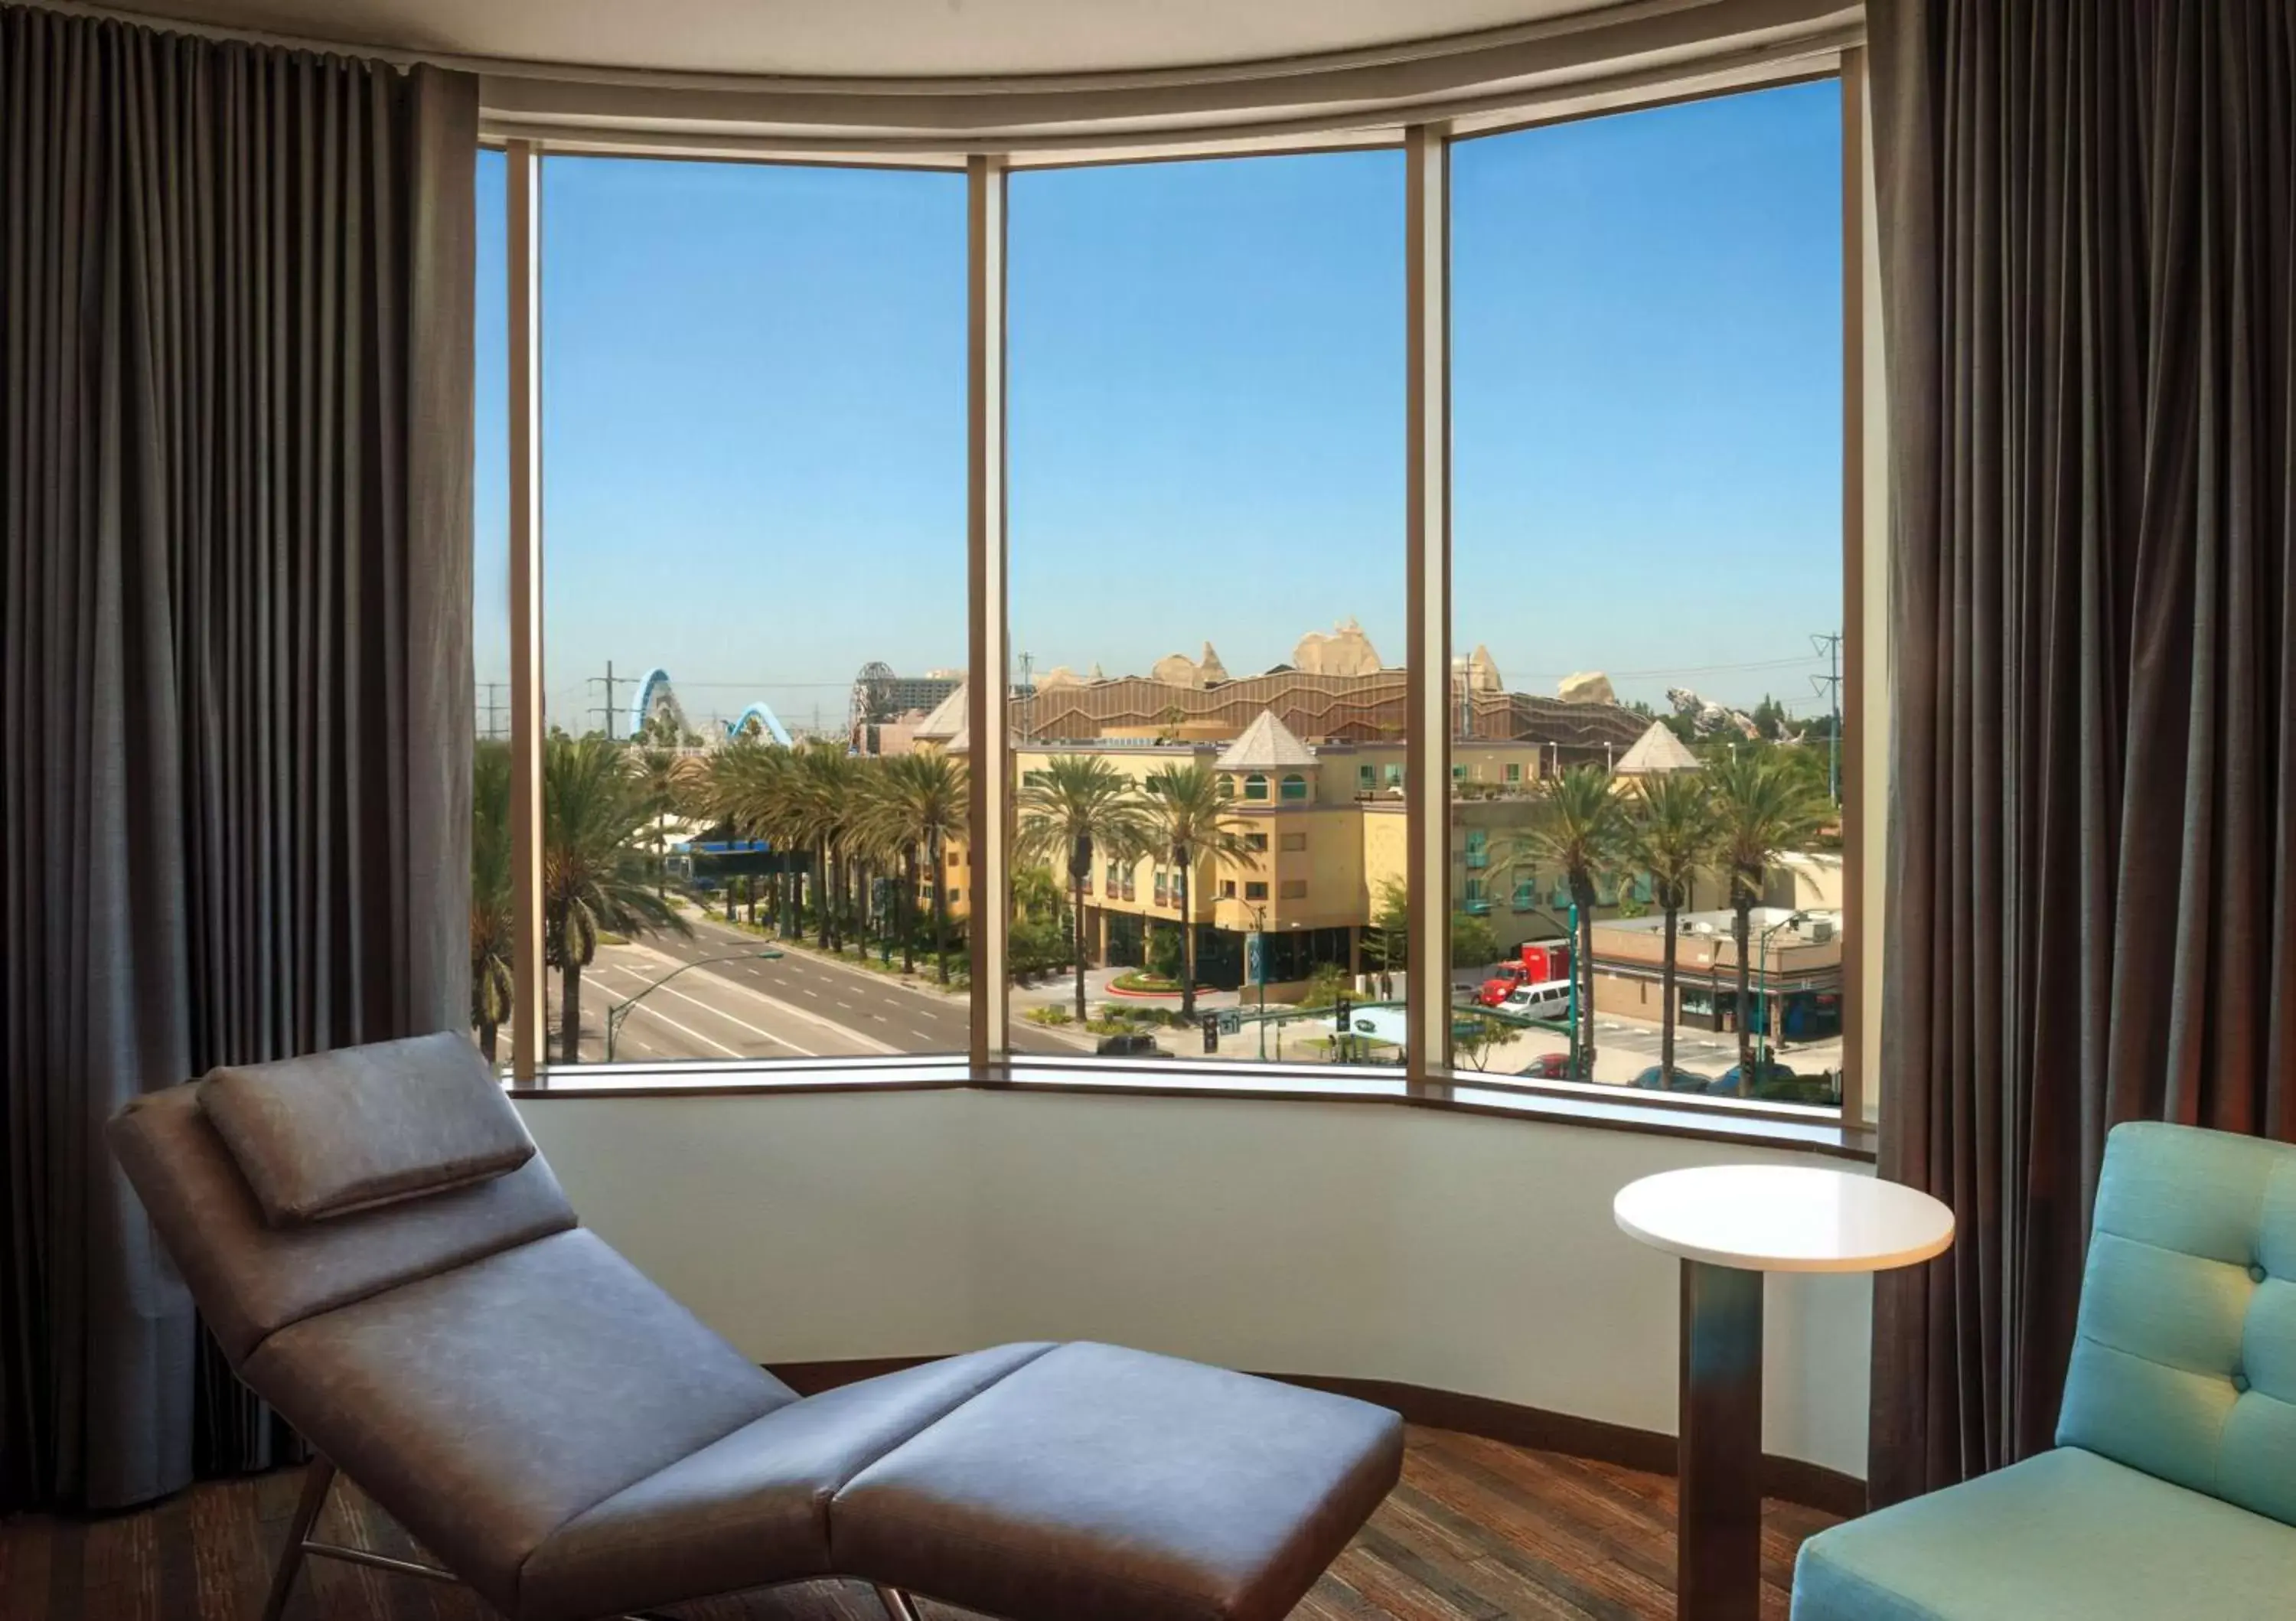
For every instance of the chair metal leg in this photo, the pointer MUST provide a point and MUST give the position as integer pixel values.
(317, 1479)
(897, 1603)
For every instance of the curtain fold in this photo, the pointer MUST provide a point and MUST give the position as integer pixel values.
(2088, 231)
(235, 338)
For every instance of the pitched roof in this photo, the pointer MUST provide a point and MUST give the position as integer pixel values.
(1657, 750)
(1266, 744)
(947, 720)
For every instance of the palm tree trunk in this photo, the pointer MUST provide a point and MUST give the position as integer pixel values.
(1187, 944)
(820, 896)
(1666, 998)
(907, 910)
(1076, 906)
(940, 906)
(569, 1011)
(486, 1040)
(1742, 929)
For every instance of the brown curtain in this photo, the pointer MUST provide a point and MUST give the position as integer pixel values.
(2088, 231)
(235, 682)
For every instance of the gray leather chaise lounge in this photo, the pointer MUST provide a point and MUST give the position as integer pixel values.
(386, 1260)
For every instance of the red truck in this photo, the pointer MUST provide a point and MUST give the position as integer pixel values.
(1539, 961)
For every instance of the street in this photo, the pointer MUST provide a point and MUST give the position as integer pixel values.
(796, 1006)
(732, 1005)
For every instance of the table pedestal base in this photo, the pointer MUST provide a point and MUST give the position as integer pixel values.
(1718, 1528)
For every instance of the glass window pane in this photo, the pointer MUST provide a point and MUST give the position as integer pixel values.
(1207, 392)
(1647, 380)
(754, 428)
(492, 916)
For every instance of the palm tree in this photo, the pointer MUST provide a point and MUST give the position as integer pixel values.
(1762, 809)
(595, 872)
(1670, 835)
(749, 787)
(672, 781)
(1071, 807)
(1579, 833)
(493, 927)
(1191, 814)
(918, 803)
(1387, 942)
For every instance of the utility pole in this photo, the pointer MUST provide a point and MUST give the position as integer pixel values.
(607, 714)
(494, 707)
(1828, 686)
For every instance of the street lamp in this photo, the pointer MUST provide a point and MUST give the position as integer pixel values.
(1792, 920)
(621, 1010)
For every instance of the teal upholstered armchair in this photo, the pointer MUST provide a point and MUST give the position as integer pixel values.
(2172, 1488)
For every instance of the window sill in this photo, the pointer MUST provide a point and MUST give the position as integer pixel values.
(1558, 1104)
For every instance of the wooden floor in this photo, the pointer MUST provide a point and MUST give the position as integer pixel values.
(1477, 1530)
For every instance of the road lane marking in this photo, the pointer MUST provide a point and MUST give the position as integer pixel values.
(655, 1013)
(848, 1032)
(671, 990)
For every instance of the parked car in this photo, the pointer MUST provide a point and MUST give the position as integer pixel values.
(1551, 1000)
(1548, 1067)
(1654, 1079)
(1768, 1073)
(1134, 1046)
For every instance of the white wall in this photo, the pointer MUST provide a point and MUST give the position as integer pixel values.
(1463, 1253)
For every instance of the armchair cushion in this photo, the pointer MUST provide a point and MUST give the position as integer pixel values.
(363, 1126)
(2184, 1361)
(2064, 1536)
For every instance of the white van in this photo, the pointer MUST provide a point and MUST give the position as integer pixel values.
(1549, 999)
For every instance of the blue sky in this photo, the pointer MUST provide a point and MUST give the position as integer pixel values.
(754, 431)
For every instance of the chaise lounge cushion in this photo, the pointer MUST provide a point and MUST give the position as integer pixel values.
(362, 1127)
(2067, 1536)
(485, 1407)
(252, 1279)
(1109, 1483)
(752, 1508)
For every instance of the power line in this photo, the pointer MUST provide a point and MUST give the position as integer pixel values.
(1828, 645)
(495, 709)
(609, 681)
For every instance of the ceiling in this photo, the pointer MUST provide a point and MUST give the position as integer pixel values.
(874, 38)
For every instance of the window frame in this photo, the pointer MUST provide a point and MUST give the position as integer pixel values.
(1429, 773)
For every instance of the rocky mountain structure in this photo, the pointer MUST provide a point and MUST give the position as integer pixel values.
(1709, 718)
(1343, 650)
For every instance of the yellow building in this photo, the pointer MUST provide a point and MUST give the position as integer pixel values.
(1327, 827)
(1325, 813)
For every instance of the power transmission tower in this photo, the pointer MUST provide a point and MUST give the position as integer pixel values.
(1828, 686)
(495, 709)
(606, 715)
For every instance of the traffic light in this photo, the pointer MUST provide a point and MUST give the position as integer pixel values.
(1211, 1021)
(1344, 1026)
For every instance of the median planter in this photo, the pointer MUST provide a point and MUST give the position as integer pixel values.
(1145, 987)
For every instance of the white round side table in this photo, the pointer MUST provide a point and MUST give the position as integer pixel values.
(1730, 1224)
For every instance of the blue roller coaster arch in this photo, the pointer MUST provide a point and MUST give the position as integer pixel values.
(656, 683)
